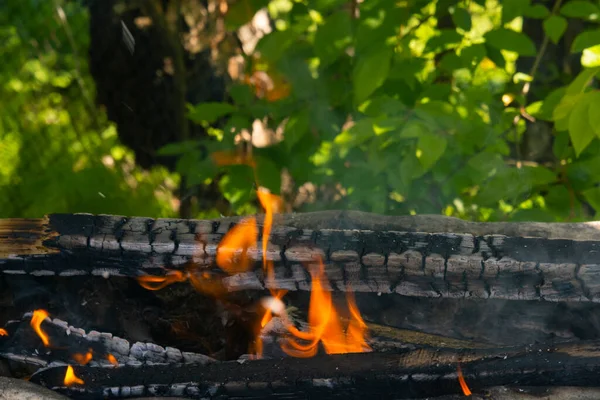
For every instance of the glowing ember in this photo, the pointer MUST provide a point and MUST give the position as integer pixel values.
(36, 322)
(3, 332)
(83, 359)
(111, 359)
(71, 378)
(158, 282)
(463, 384)
(232, 254)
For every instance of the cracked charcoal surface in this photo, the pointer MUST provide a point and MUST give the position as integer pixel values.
(473, 261)
(22, 344)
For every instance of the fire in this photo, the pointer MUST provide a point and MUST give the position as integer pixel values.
(158, 282)
(3, 332)
(111, 359)
(36, 323)
(83, 359)
(325, 326)
(238, 240)
(463, 384)
(71, 378)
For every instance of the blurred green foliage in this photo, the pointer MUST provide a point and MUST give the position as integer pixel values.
(396, 115)
(58, 153)
(380, 110)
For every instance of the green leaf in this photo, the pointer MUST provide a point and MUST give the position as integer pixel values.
(550, 103)
(430, 148)
(554, 27)
(296, 127)
(585, 39)
(333, 37)
(591, 57)
(580, 9)
(451, 62)
(582, 80)
(241, 94)
(274, 45)
(592, 196)
(594, 112)
(462, 19)
(537, 11)
(370, 72)
(472, 55)
(361, 131)
(560, 147)
(512, 9)
(177, 148)
(210, 112)
(414, 129)
(237, 185)
(268, 174)
(507, 39)
(496, 56)
(445, 39)
(580, 131)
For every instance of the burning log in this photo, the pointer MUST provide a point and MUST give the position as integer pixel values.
(37, 341)
(420, 373)
(416, 256)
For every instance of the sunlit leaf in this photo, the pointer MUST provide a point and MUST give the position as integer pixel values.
(591, 57)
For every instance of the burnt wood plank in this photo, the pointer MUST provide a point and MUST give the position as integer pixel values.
(427, 256)
(420, 373)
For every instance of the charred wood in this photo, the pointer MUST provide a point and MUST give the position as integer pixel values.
(23, 347)
(420, 373)
(424, 256)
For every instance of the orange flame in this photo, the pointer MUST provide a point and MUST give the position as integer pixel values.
(205, 283)
(111, 359)
(71, 378)
(151, 282)
(239, 239)
(36, 323)
(83, 359)
(232, 257)
(3, 332)
(463, 384)
(325, 325)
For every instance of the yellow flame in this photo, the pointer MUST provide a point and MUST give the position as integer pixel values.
(36, 323)
(71, 378)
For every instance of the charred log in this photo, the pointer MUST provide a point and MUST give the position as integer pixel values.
(420, 373)
(441, 258)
